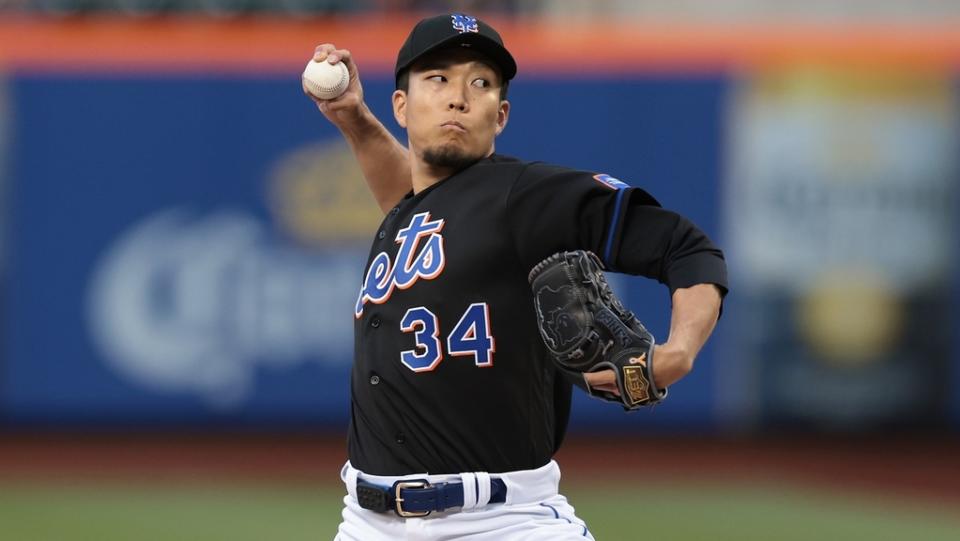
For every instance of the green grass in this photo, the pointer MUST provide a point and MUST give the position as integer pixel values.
(165, 513)
(237, 512)
(756, 514)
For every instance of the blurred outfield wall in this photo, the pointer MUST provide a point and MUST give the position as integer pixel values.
(184, 234)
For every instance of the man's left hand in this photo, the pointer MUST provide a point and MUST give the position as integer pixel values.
(672, 364)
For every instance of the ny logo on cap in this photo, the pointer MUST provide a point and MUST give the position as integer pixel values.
(464, 23)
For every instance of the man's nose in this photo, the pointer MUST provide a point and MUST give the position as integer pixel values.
(458, 101)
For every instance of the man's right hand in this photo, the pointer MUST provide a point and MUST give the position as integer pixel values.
(383, 160)
(347, 108)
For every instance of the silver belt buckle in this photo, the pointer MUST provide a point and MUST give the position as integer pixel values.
(399, 501)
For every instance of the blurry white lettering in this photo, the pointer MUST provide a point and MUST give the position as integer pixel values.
(181, 304)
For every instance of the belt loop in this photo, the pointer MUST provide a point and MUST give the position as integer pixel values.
(483, 488)
(469, 490)
(349, 475)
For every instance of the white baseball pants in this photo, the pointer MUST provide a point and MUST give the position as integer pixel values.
(534, 511)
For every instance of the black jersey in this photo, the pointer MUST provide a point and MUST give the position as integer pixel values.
(450, 373)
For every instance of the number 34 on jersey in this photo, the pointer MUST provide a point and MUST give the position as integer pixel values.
(470, 337)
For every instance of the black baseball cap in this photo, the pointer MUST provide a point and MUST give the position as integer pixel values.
(442, 31)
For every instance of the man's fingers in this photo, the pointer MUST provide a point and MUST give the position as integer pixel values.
(340, 55)
(600, 378)
(331, 54)
(321, 52)
(604, 380)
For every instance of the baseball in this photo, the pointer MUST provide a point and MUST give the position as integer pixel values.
(325, 80)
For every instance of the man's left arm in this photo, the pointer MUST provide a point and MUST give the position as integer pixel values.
(694, 315)
(665, 246)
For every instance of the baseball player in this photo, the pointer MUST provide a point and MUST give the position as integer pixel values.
(462, 374)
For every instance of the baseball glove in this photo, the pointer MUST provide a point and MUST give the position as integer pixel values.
(587, 328)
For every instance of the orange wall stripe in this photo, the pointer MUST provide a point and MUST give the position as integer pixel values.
(265, 45)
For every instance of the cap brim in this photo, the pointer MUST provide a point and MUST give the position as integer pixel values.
(477, 42)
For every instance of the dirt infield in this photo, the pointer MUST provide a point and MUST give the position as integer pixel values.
(922, 469)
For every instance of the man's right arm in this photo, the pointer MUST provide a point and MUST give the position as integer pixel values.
(383, 160)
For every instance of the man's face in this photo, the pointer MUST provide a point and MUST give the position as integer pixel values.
(452, 108)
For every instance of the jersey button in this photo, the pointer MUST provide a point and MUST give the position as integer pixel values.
(400, 438)
(374, 379)
(381, 235)
(375, 322)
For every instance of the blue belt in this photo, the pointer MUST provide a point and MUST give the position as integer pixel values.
(419, 498)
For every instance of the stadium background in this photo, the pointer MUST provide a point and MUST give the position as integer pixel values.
(181, 234)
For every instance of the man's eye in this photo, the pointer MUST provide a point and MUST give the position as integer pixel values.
(437, 78)
(481, 83)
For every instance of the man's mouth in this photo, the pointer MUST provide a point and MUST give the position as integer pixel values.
(454, 125)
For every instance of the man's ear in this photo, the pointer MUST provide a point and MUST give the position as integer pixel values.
(503, 115)
(400, 107)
